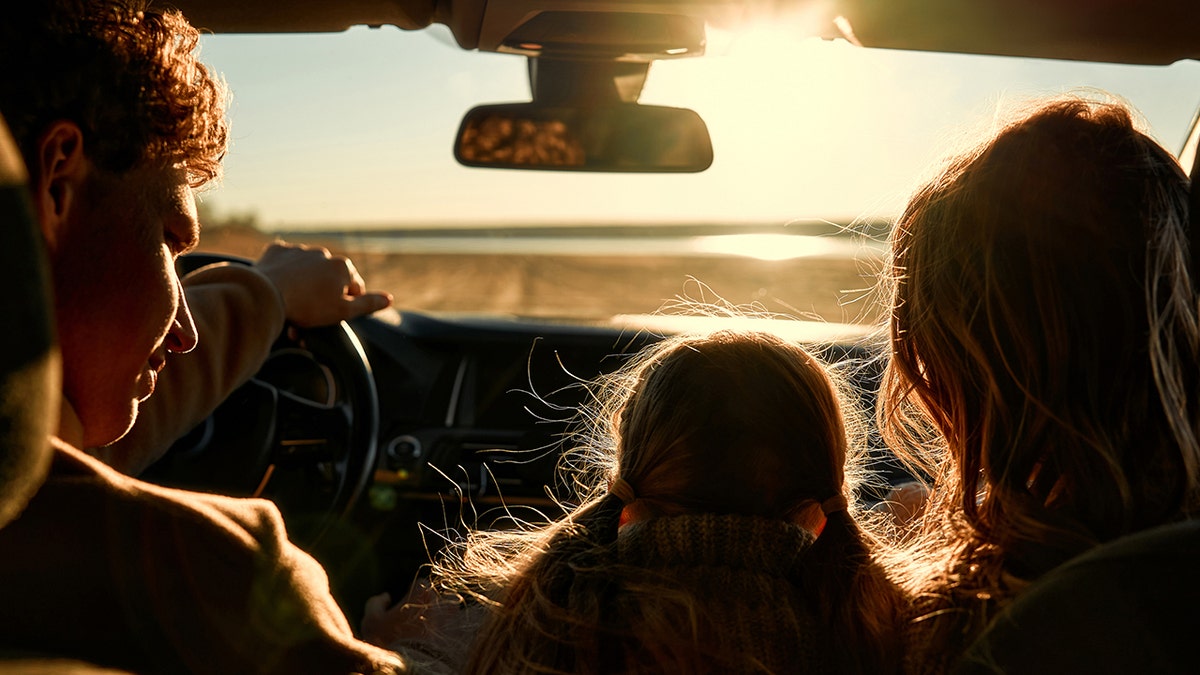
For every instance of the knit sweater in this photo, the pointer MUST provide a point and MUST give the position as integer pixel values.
(743, 574)
(698, 593)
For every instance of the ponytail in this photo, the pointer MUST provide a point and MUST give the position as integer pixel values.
(559, 602)
(852, 595)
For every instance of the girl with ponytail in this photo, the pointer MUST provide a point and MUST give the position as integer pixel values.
(714, 532)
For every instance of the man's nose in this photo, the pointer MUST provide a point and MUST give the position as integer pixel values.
(182, 337)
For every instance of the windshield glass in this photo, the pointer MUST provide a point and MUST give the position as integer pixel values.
(345, 140)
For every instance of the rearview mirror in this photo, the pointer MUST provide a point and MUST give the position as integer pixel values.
(618, 137)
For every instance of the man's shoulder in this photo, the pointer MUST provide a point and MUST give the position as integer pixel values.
(80, 483)
(109, 568)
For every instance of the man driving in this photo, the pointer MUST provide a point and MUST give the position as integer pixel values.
(118, 124)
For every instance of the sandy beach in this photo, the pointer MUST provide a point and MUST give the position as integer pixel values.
(590, 287)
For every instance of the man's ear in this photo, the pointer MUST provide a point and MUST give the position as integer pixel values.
(58, 179)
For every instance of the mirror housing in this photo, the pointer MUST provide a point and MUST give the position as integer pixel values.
(584, 117)
(619, 137)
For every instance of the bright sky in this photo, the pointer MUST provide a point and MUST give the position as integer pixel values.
(356, 129)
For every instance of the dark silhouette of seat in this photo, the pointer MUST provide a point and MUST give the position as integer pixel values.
(29, 372)
(1127, 606)
(28, 359)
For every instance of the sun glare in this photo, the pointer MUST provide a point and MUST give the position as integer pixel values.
(774, 246)
(785, 113)
(802, 128)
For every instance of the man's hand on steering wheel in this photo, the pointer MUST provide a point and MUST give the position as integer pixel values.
(318, 288)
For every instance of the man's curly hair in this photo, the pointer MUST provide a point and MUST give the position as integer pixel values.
(126, 73)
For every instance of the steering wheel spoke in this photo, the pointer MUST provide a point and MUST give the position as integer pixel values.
(309, 432)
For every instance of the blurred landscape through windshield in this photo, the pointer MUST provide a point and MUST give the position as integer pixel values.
(344, 140)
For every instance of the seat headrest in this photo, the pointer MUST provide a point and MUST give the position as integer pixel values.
(29, 361)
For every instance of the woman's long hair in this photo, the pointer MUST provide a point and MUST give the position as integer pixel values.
(1043, 339)
(727, 423)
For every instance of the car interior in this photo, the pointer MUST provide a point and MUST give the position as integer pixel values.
(381, 437)
(390, 432)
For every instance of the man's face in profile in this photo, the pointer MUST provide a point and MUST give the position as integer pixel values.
(119, 304)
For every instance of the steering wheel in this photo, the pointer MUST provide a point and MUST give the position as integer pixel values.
(302, 432)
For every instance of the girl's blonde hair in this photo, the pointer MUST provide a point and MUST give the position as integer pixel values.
(1043, 362)
(727, 423)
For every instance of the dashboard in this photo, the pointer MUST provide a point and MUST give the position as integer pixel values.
(478, 408)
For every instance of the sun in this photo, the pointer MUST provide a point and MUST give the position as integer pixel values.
(786, 116)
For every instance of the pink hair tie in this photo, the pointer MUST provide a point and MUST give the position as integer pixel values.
(834, 503)
(622, 490)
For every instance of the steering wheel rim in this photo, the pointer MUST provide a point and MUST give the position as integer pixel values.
(274, 437)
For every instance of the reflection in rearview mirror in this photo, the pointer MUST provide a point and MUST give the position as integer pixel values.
(622, 137)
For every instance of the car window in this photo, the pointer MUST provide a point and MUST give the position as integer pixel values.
(346, 140)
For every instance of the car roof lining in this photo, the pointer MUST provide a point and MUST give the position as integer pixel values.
(1119, 31)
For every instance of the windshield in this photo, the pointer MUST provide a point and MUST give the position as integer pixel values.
(345, 140)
